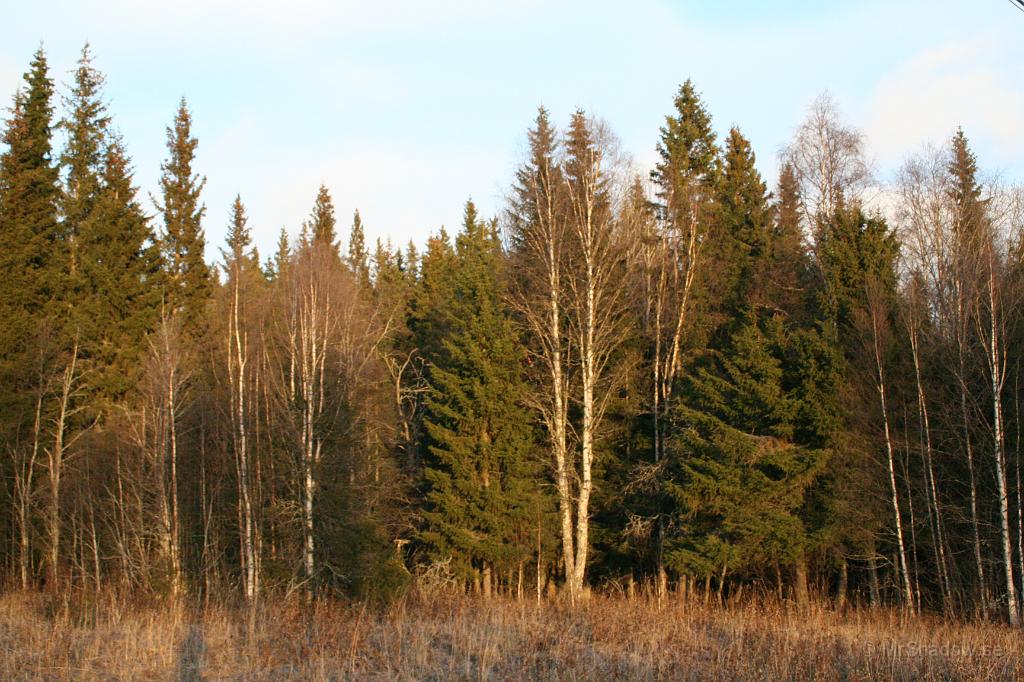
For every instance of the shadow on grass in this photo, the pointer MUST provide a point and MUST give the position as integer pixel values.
(190, 655)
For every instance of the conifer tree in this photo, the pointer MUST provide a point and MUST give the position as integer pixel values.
(358, 258)
(787, 270)
(321, 224)
(120, 276)
(480, 500)
(740, 468)
(187, 285)
(688, 167)
(86, 127)
(239, 239)
(856, 257)
(282, 254)
(740, 240)
(33, 261)
(430, 314)
(31, 254)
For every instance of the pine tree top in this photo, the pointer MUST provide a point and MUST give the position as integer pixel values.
(239, 237)
(322, 223)
(687, 145)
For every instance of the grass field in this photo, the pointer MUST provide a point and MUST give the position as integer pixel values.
(463, 638)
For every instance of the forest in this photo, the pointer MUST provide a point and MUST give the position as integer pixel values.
(679, 383)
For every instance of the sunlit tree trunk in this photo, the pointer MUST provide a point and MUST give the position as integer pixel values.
(875, 313)
(55, 456)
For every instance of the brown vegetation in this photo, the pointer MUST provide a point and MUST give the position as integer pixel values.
(463, 638)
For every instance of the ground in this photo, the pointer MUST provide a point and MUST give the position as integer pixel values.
(456, 637)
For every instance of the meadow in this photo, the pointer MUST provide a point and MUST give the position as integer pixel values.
(444, 637)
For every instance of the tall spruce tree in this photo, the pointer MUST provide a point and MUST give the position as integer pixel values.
(322, 223)
(855, 298)
(740, 240)
(688, 165)
(32, 260)
(740, 468)
(786, 277)
(480, 503)
(120, 275)
(358, 258)
(32, 256)
(187, 285)
(750, 436)
(86, 127)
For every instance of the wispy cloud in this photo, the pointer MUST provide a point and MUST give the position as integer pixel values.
(976, 84)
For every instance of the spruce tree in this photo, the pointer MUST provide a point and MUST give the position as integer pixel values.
(239, 240)
(120, 277)
(86, 128)
(358, 258)
(187, 286)
(739, 244)
(786, 277)
(430, 314)
(853, 250)
(321, 224)
(32, 257)
(282, 255)
(480, 503)
(741, 464)
(688, 167)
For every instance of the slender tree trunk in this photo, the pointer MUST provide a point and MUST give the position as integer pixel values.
(1020, 502)
(997, 369)
(800, 591)
(933, 506)
(237, 365)
(969, 451)
(874, 591)
(23, 486)
(56, 464)
(841, 584)
(908, 592)
(175, 539)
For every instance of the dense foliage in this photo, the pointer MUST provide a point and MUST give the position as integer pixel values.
(683, 379)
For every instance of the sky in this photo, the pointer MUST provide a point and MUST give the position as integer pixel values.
(406, 108)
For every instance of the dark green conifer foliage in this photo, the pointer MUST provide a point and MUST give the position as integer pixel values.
(430, 314)
(857, 257)
(322, 223)
(391, 283)
(741, 463)
(32, 254)
(855, 251)
(536, 191)
(965, 191)
(786, 278)
(120, 277)
(282, 255)
(86, 127)
(239, 239)
(686, 178)
(688, 167)
(187, 286)
(481, 502)
(739, 244)
(358, 259)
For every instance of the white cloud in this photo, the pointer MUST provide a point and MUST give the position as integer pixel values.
(973, 84)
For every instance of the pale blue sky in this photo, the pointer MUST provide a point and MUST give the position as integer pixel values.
(405, 108)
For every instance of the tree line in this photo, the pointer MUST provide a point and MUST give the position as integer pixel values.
(682, 380)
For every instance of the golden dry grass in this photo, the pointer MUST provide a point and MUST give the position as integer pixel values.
(462, 638)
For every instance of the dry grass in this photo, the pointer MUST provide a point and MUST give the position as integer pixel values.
(459, 638)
